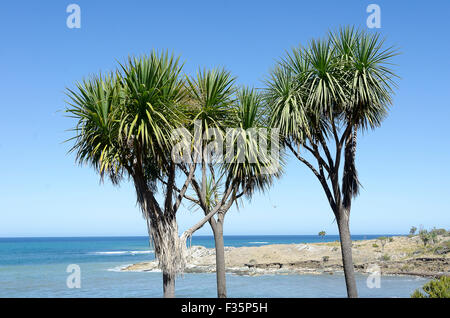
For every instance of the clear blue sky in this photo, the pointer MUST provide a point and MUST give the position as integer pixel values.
(404, 165)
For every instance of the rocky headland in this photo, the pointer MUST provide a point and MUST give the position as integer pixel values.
(399, 255)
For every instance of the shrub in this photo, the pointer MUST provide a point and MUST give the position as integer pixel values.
(443, 248)
(437, 288)
(439, 231)
(434, 237)
(391, 239)
(375, 245)
(383, 240)
(405, 268)
(325, 259)
(425, 237)
(385, 257)
(412, 231)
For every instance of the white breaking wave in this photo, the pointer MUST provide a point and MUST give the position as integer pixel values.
(118, 268)
(122, 252)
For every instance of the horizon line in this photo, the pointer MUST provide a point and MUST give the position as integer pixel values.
(202, 235)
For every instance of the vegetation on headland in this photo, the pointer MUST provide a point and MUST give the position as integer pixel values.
(435, 241)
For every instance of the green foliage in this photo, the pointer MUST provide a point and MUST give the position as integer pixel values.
(321, 95)
(433, 233)
(391, 239)
(322, 233)
(383, 240)
(249, 174)
(439, 231)
(325, 259)
(385, 257)
(437, 288)
(434, 237)
(425, 237)
(375, 245)
(128, 116)
(344, 77)
(443, 248)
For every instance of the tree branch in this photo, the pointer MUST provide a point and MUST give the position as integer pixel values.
(202, 222)
(197, 189)
(319, 176)
(185, 187)
(315, 153)
(178, 190)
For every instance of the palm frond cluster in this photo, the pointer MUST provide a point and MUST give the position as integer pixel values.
(343, 81)
(125, 120)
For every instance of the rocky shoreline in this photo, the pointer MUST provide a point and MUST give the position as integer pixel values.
(399, 255)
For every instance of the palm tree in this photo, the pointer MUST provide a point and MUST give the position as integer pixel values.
(320, 97)
(216, 108)
(322, 234)
(124, 128)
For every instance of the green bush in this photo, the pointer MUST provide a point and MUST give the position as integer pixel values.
(375, 245)
(437, 288)
(385, 257)
(439, 231)
(391, 239)
(383, 240)
(434, 237)
(425, 237)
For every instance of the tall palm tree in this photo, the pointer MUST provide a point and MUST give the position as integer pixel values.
(320, 96)
(216, 107)
(124, 128)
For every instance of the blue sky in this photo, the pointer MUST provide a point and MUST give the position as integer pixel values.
(403, 166)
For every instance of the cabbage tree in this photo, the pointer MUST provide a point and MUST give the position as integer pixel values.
(320, 97)
(124, 126)
(226, 117)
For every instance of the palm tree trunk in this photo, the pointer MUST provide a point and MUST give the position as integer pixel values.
(220, 259)
(169, 251)
(168, 285)
(346, 250)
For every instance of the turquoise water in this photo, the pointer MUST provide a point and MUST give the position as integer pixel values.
(36, 267)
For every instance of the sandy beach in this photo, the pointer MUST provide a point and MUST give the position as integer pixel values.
(400, 255)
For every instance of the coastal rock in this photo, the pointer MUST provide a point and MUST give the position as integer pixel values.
(401, 256)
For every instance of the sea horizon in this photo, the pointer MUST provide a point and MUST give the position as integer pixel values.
(200, 235)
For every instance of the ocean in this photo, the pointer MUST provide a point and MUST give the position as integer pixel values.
(37, 267)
